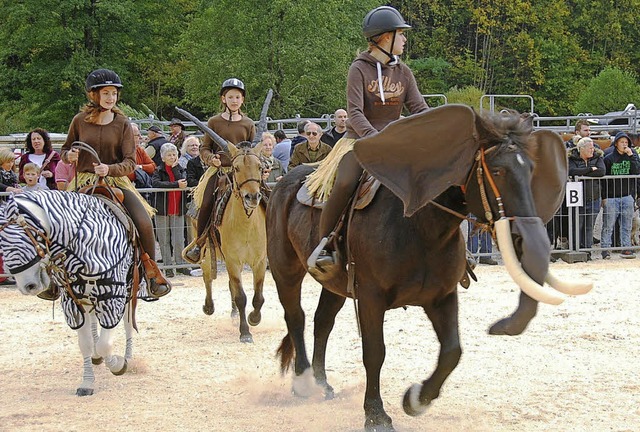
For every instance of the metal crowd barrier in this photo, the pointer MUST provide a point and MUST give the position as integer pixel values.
(565, 232)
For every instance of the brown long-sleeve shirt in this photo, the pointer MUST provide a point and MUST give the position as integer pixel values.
(113, 142)
(234, 132)
(368, 114)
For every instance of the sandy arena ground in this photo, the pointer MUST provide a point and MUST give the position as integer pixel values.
(574, 369)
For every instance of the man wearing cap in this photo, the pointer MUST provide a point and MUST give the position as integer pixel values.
(156, 139)
(177, 133)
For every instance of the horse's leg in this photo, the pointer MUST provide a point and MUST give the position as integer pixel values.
(115, 363)
(234, 270)
(371, 310)
(128, 330)
(207, 278)
(86, 343)
(518, 321)
(259, 270)
(95, 358)
(288, 278)
(328, 307)
(444, 317)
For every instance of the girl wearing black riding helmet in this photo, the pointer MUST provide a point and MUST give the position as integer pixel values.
(234, 126)
(108, 131)
(379, 86)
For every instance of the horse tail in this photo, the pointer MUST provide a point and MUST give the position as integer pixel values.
(285, 352)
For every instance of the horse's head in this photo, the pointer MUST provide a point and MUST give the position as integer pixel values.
(24, 246)
(247, 174)
(513, 179)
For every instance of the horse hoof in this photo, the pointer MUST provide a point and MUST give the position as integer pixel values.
(411, 401)
(96, 360)
(208, 310)
(84, 392)
(385, 427)
(329, 394)
(254, 318)
(121, 371)
(117, 365)
(304, 385)
(246, 338)
(507, 327)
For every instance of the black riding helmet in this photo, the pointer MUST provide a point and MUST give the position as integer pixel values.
(381, 20)
(232, 83)
(102, 78)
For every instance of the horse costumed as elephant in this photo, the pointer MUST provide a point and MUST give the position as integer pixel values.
(406, 247)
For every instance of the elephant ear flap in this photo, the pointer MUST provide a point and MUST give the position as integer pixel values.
(550, 172)
(419, 157)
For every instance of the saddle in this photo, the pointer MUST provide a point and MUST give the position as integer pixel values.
(365, 194)
(113, 197)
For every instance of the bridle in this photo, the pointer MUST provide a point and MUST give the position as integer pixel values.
(51, 264)
(482, 171)
(42, 254)
(236, 186)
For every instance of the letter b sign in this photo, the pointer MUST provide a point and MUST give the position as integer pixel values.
(574, 194)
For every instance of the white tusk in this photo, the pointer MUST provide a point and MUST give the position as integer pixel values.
(575, 287)
(529, 286)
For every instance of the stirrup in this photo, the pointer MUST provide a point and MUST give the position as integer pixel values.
(312, 261)
(192, 253)
(159, 289)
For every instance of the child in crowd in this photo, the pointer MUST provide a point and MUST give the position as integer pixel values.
(8, 177)
(31, 174)
(8, 183)
(171, 208)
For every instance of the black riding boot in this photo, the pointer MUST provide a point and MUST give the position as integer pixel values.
(349, 171)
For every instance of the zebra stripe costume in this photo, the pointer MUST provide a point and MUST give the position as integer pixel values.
(86, 239)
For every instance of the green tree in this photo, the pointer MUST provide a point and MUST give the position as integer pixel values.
(611, 90)
(302, 50)
(49, 47)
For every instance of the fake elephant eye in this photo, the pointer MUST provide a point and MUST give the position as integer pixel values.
(497, 172)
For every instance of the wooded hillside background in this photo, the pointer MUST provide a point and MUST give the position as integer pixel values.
(571, 56)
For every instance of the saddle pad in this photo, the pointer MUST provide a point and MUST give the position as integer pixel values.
(367, 192)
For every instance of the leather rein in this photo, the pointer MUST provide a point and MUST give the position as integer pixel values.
(236, 186)
(52, 264)
(482, 171)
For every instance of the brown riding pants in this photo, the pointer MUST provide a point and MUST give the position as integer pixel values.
(347, 176)
(206, 208)
(142, 221)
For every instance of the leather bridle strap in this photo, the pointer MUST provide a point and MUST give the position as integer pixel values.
(492, 183)
(236, 186)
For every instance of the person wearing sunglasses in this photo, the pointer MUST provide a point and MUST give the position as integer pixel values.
(312, 150)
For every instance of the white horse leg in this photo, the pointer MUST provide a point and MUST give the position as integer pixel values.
(95, 358)
(116, 364)
(85, 341)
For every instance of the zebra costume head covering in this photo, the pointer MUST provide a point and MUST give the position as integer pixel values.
(76, 242)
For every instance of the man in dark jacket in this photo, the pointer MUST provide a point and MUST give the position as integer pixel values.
(619, 194)
(300, 138)
(156, 139)
(587, 160)
(333, 135)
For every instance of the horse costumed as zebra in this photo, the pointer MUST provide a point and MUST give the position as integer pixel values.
(81, 245)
